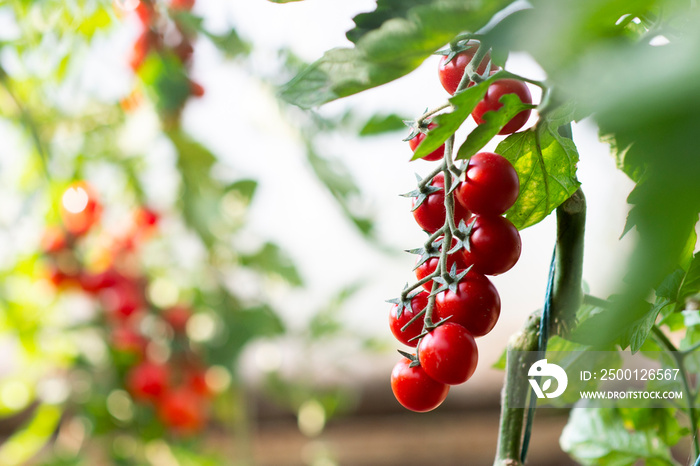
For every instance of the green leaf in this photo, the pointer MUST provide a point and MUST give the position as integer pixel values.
(284, 1)
(493, 123)
(200, 194)
(546, 165)
(326, 321)
(599, 436)
(26, 442)
(271, 260)
(338, 180)
(231, 44)
(379, 124)
(167, 82)
(386, 10)
(447, 123)
(244, 189)
(387, 47)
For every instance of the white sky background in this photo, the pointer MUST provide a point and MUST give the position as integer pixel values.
(238, 119)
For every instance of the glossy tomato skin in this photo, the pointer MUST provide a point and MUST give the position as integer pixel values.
(429, 266)
(451, 73)
(491, 185)
(495, 245)
(448, 354)
(183, 411)
(418, 303)
(491, 102)
(148, 381)
(414, 389)
(430, 215)
(437, 154)
(475, 306)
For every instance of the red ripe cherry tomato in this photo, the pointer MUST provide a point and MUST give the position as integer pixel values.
(95, 282)
(491, 186)
(437, 154)
(123, 298)
(495, 245)
(148, 381)
(54, 240)
(418, 303)
(183, 411)
(177, 317)
(451, 73)
(429, 266)
(185, 5)
(430, 215)
(491, 102)
(414, 389)
(475, 306)
(80, 208)
(448, 354)
(127, 340)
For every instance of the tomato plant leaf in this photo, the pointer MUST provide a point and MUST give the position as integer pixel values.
(380, 124)
(231, 44)
(386, 10)
(271, 260)
(388, 49)
(602, 436)
(493, 123)
(546, 165)
(447, 123)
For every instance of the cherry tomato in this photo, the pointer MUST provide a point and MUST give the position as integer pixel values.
(414, 389)
(430, 215)
(491, 185)
(185, 5)
(451, 73)
(475, 306)
(196, 89)
(396, 323)
(177, 317)
(448, 354)
(80, 208)
(495, 245)
(429, 266)
(491, 102)
(183, 411)
(123, 299)
(126, 339)
(437, 154)
(148, 381)
(93, 283)
(53, 240)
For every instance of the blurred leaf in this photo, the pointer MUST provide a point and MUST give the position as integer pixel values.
(284, 1)
(167, 81)
(230, 44)
(271, 260)
(200, 195)
(338, 180)
(493, 123)
(386, 49)
(244, 188)
(546, 165)
(600, 436)
(379, 124)
(27, 442)
(326, 321)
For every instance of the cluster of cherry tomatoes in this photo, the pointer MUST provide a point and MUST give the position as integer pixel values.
(458, 303)
(172, 382)
(160, 33)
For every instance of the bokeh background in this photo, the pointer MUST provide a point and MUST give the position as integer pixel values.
(276, 235)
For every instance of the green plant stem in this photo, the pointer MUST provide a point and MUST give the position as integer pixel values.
(566, 298)
(432, 112)
(678, 356)
(595, 301)
(521, 351)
